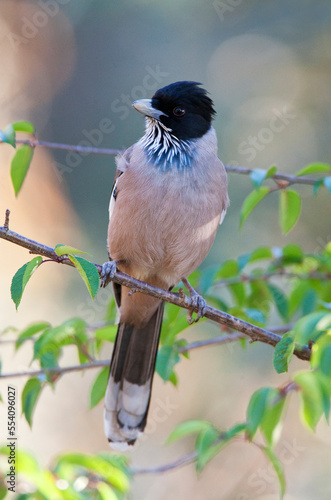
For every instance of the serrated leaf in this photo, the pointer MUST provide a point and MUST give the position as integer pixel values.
(30, 396)
(256, 410)
(283, 352)
(21, 279)
(251, 201)
(167, 358)
(314, 168)
(88, 272)
(61, 249)
(257, 176)
(187, 428)
(99, 387)
(278, 467)
(8, 135)
(311, 398)
(20, 165)
(24, 126)
(289, 209)
(30, 331)
(327, 183)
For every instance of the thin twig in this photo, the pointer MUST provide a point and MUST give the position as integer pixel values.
(290, 179)
(222, 339)
(254, 332)
(6, 223)
(186, 459)
(59, 370)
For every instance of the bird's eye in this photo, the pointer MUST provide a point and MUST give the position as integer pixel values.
(178, 111)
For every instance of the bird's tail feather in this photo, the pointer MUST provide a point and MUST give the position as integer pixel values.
(130, 380)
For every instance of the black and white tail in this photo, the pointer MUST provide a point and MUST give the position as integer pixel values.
(130, 381)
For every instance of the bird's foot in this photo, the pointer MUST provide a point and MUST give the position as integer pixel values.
(108, 272)
(197, 302)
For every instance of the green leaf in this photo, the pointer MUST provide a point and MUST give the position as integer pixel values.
(106, 333)
(30, 331)
(261, 253)
(21, 279)
(167, 358)
(289, 209)
(310, 327)
(61, 249)
(251, 201)
(228, 269)
(256, 410)
(270, 425)
(312, 395)
(321, 355)
(314, 168)
(327, 183)
(88, 272)
(189, 427)
(317, 185)
(298, 293)
(99, 387)
(292, 254)
(30, 396)
(8, 135)
(99, 466)
(257, 176)
(207, 445)
(24, 126)
(20, 166)
(280, 300)
(106, 492)
(278, 467)
(283, 352)
(271, 171)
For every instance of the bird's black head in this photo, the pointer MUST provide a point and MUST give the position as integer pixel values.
(183, 107)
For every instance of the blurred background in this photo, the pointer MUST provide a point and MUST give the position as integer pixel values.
(73, 68)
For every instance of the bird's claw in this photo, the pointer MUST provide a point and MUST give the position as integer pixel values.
(107, 273)
(198, 303)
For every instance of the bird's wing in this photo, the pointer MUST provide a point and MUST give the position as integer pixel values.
(122, 162)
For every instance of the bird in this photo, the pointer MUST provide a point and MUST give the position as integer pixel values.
(169, 196)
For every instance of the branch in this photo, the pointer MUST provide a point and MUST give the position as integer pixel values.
(220, 340)
(254, 332)
(57, 370)
(186, 459)
(289, 179)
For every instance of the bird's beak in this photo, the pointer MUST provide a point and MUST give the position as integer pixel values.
(145, 107)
